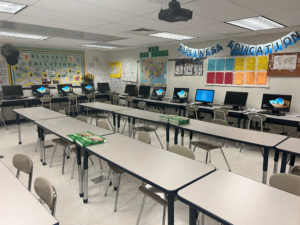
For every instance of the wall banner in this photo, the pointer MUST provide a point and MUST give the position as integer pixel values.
(200, 53)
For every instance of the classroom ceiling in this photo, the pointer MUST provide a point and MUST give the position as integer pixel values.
(116, 18)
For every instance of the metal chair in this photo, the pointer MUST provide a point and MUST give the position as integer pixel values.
(195, 109)
(46, 99)
(210, 145)
(218, 112)
(1, 116)
(102, 116)
(111, 96)
(157, 195)
(116, 101)
(23, 163)
(46, 192)
(72, 104)
(286, 182)
(129, 101)
(91, 98)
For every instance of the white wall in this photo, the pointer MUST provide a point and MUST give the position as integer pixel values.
(279, 85)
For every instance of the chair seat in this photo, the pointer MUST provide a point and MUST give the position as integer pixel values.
(296, 170)
(144, 128)
(100, 117)
(207, 145)
(47, 132)
(155, 194)
(61, 142)
(81, 151)
(115, 169)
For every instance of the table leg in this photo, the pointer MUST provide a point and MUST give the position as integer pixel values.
(283, 162)
(182, 137)
(176, 136)
(170, 209)
(191, 137)
(193, 216)
(245, 120)
(133, 124)
(292, 163)
(19, 128)
(81, 110)
(276, 161)
(42, 146)
(265, 165)
(129, 131)
(86, 176)
(179, 111)
(78, 151)
(119, 118)
(39, 143)
(168, 135)
(239, 120)
(114, 122)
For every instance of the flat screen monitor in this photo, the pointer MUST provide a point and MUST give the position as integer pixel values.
(15, 90)
(144, 90)
(130, 89)
(87, 88)
(205, 96)
(276, 102)
(236, 99)
(103, 87)
(64, 89)
(181, 94)
(159, 92)
(39, 90)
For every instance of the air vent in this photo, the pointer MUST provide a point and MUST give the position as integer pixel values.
(143, 31)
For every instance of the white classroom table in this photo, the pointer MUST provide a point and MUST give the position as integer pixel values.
(232, 199)
(18, 205)
(162, 169)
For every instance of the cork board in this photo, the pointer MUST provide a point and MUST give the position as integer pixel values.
(284, 64)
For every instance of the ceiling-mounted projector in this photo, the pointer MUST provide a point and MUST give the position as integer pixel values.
(175, 13)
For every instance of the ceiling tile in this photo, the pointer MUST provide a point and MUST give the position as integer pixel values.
(217, 37)
(99, 30)
(193, 32)
(290, 18)
(129, 42)
(16, 40)
(61, 17)
(5, 16)
(24, 2)
(245, 34)
(222, 28)
(118, 27)
(274, 31)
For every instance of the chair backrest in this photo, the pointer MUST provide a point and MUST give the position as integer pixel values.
(154, 110)
(220, 112)
(23, 163)
(142, 105)
(183, 151)
(144, 137)
(220, 122)
(192, 108)
(103, 125)
(62, 111)
(129, 100)
(286, 182)
(116, 99)
(46, 192)
(82, 118)
(107, 102)
(72, 99)
(91, 96)
(45, 99)
(257, 118)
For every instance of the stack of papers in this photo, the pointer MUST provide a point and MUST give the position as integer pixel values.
(253, 110)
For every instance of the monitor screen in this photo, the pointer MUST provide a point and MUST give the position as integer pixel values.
(181, 93)
(15, 90)
(103, 87)
(236, 98)
(276, 102)
(144, 90)
(64, 89)
(88, 87)
(40, 90)
(204, 95)
(130, 89)
(159, 92)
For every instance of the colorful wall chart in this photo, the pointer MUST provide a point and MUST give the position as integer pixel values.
(189, 67)
(115, 69)
(238, 71)
(154, 71)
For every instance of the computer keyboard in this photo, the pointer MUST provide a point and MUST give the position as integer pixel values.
(270, 113)
(141, 97)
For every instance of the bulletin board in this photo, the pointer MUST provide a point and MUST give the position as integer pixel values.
(237, 71)
(284, 65)
(189, 67)
(37, 66)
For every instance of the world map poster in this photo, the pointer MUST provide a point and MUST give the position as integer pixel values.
(154, 71)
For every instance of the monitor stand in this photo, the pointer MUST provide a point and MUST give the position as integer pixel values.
(159, 99)
(203, 104)
(235, 108)
(275, 112)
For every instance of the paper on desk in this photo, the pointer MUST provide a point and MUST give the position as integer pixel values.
(293, 114)
(253, 110)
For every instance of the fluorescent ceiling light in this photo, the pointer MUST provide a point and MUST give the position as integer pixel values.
(256, 23)
(99, 46)
(9, 7)
(172, 36)
(18, 35)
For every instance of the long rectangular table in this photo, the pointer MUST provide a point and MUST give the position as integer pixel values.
(264, 140)
(162, 169)
(18, 205)
(232, 199)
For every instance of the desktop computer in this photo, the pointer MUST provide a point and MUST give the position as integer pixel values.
(144, 91)
(158, 93)
(14, 91)
(103, 87)
(181, 94)
(40, 90)
(204, 96)
(130, 89)
(87, 88)
(64, 89)
(274, 103)
(236, 99)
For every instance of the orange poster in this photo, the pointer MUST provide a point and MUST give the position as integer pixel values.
(250, 78)
(239, 78)
(262, 78)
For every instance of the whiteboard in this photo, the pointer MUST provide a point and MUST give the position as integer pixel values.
(129, 71)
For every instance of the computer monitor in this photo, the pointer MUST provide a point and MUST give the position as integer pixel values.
(130, 89)
(181, 93)
(204, 96)
(144, 91)
(12, 91)
(236, 99)
(87, 88)
(64, 89)
(276, 102)
(159, 92)
(103, 87)
(40, 90)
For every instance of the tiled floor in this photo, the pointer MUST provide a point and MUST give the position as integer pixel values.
(99, 210)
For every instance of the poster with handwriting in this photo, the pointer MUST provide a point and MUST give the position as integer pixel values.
(239, 64)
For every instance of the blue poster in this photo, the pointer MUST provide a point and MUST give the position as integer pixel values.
(220, 65)
(211, 65)
(229, 64)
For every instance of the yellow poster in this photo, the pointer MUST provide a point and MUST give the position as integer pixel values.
(250, 78)
(239, 63)
(262, 63)
(250, 63)
(262, 78)
(115, 69)
(239, 78)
